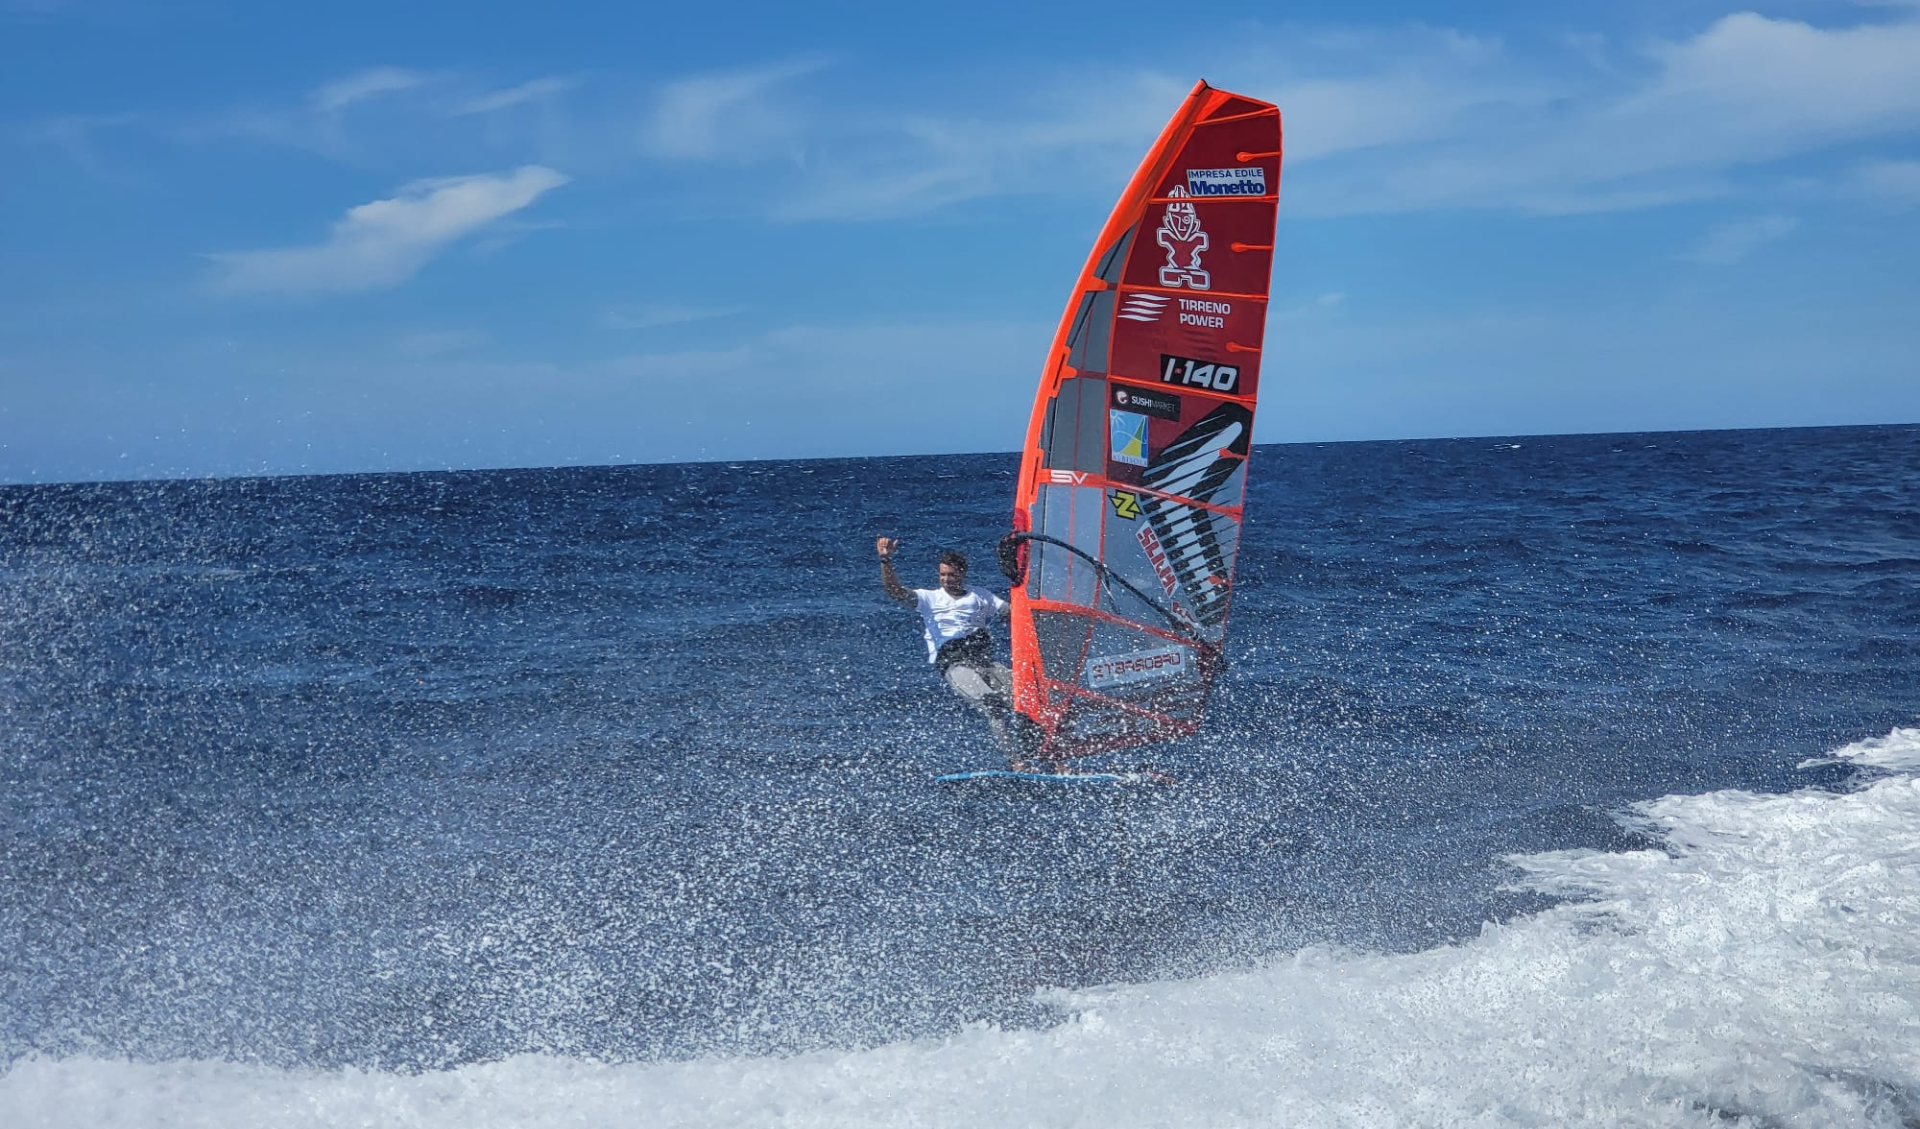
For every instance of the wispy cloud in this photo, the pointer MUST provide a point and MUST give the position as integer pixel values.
(734, 116)
(1326, 117)
(1894, 183)
(1058, 136)
(1342, 93)
(1693, 113)
(1750, 89)
(386, 116)
(1416, 119)
(384, 243)
(363, 85)
(1319, 307)
(688, 364)
(77, 137)
(1730, 243)
(1407, 119)
(656, 315)
(317, 123)
(536, 90)
(430, 343)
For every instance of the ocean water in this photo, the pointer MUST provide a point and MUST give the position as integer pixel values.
(1563, 780)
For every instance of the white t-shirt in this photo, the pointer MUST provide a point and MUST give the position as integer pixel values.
(949, 617)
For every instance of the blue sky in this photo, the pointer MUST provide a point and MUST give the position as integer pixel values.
(244, 239)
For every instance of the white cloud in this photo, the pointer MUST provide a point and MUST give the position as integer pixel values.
(363, 85)
(1732, 242)
(1342, 93)
(392, 117)
(317, 123)
(1063, 135)
(1754, 89)
(876, 192)
(383, 243)
(536, 90)
(1406, 120)
(1325, 117)
(1746, 91)
(1378, 121)
(733, 116)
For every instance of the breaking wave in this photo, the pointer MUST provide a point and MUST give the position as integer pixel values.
(1761, 967)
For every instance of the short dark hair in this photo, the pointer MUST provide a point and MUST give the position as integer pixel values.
(954, 557)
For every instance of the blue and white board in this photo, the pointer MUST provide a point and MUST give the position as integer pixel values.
(991, 774)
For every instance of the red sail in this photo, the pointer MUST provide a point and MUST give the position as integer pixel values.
(1127, 516)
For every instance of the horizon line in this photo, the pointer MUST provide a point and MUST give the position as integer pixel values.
(263, 476)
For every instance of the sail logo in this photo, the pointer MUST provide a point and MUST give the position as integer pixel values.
(1140, 666)
(1227, 182)
(1157, 557)
(1200, 374)
(1129, 430)
(1126, 504)
(1143, 307)
(1181, 236)
(1159, 405)
(1204, 314)
(1193, 546)
(1067, 477)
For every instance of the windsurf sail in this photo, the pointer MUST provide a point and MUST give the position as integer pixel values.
(1127, 516)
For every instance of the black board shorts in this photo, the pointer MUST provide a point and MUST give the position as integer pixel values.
(972, 649)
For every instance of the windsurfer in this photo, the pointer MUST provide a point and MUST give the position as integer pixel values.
(960, 646)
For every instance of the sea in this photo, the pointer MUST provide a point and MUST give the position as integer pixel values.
(1553, 781)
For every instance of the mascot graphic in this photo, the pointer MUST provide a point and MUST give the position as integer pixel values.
(1180, 234)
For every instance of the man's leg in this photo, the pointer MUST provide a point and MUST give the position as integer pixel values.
(975, 688)
(1015, 732)
(1026, 737)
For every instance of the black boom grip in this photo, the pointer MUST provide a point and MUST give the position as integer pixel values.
(1012, 552)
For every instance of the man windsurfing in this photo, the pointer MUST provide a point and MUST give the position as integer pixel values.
(960, 645)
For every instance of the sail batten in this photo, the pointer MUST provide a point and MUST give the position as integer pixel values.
(1128, 507)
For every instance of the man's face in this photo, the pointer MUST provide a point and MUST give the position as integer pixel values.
(954, 580)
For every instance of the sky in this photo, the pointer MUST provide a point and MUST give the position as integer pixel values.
(277, 239)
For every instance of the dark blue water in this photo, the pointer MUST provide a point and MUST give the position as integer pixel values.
(417, 770)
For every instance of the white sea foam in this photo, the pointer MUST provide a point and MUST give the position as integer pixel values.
(1763, 970)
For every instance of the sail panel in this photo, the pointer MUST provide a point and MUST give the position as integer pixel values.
(1135, 468)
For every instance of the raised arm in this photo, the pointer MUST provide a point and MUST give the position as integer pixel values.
(885, 546)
